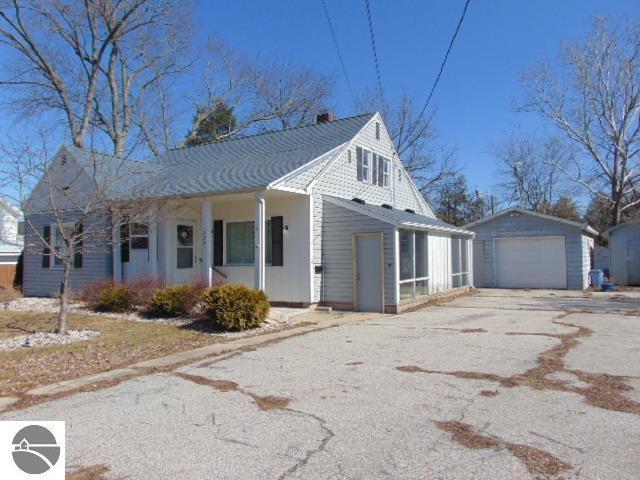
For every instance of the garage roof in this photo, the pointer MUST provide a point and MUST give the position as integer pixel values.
(582, 226)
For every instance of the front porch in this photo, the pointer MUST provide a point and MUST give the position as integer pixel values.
(259, 239)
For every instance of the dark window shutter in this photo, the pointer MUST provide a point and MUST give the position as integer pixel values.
(381, 161)
(359, 162)
(277, 242)
(77, 248)
(124, 242)
(218, 243)
(46, 252)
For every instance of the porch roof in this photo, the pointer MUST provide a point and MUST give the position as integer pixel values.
(397, 217)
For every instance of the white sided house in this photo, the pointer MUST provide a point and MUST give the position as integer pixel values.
(11, 239)
(318, 214)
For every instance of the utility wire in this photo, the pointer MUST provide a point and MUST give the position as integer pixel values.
(337, 46)
(375, 52)
(437, 80)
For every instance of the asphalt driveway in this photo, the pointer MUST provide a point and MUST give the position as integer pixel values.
(501, 384)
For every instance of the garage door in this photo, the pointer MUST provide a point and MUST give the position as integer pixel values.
(532, 262)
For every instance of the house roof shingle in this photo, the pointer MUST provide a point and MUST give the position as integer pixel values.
(237, 164)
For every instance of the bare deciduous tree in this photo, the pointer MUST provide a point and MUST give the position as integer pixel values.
(272, 95)
(594, 99)
(529, 168)
(69, 207)
(91, 61)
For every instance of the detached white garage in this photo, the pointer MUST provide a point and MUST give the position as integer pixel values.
(517, 248)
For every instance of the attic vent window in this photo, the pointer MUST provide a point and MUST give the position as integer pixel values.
(377, 130)
(349, 155)
(409, 210)
(358, 200)
(387, 206)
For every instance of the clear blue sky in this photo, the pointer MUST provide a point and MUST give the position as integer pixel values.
(499, 39)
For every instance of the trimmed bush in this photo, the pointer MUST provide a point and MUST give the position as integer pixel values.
(143, 288)
(116, 298)
(175, 301)
(236, 307)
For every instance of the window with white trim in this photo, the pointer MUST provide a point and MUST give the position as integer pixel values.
(240, 242)
(386, 167)
(60, 244)
(139, 236)
(366, 166)
(372, 168)
(460, 274)
(414, 264)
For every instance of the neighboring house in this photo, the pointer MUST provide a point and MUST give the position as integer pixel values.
(327, 209)
(517, 248)
(624, 254)
(11, 240)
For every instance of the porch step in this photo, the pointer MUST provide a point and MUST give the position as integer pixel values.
(324, 309)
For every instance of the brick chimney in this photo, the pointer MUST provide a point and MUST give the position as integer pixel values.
(325, 117)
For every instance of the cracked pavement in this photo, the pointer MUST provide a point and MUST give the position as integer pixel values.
(353, 415)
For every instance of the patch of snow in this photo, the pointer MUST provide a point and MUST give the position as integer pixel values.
(40, 339)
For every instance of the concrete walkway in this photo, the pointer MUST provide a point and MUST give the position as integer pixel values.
(489, 386)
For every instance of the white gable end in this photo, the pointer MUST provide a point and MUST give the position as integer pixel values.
(340, 176)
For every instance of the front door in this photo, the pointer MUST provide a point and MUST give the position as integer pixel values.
(633, 261)
(185, 255)
(369, 285)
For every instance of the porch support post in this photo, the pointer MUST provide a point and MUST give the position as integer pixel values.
(259, 239)
(153, 241)
(115, 243)
(207, 240)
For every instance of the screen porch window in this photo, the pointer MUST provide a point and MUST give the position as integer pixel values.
(459, 262)
(414, 264)
(240, 241)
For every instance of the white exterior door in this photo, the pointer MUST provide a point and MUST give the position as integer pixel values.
(184, 257)
(369, 284)
(531, 262)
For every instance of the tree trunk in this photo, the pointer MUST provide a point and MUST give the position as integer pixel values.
(64, 300)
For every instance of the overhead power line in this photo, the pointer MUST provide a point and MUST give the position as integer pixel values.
(375, 52)
(442, 65)
(337, 46)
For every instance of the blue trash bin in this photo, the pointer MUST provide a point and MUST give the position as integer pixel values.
(597, 278)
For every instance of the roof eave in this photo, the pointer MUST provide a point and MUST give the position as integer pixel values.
(437, 228)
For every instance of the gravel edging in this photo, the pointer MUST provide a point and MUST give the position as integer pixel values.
(40, 339)
(52, 305)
